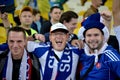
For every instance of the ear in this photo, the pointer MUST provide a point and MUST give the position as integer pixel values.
(67, 36)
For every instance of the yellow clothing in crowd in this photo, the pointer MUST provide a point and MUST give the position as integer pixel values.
(3, 35)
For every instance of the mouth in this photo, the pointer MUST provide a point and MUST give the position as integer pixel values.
(93, 43)
(59, 43)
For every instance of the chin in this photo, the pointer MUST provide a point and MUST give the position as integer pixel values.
(59, 49)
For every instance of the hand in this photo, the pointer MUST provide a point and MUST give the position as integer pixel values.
(107, 17)
(40, 37)
(30, 38)
(77, 43)
(5, 21)
(4, 16)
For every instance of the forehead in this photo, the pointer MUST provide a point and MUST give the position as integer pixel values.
(73, 20)
(93, 30)
(26, 13)
(15, 35)
(56, 10)
(57, 31)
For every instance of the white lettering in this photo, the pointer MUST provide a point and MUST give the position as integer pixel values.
(51, 62)
(65, 67)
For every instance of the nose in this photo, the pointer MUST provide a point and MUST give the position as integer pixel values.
(15, 44)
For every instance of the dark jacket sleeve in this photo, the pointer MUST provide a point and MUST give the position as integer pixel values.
(46, 27)
(3, 57)
(35, 67)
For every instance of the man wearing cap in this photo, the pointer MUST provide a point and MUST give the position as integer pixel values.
(99, 60)
(69, 19)
(58, 58)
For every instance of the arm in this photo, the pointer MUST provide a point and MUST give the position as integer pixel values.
(116, 19)
(3, 47)
(36, 36)
(5, 21)
(116, 12)
(107, 17)
(77, 43)
(37, 48)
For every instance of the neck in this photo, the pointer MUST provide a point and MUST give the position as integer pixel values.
(26, 27)
(16, 57)
(53, 21)
(93, 51)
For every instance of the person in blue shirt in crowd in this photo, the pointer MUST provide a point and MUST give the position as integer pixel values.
(38, 20)
(99, 61)
(58, 58)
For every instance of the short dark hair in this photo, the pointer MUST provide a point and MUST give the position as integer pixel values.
(67, 16)
(36, 11)
(51, 9)
(17, 29)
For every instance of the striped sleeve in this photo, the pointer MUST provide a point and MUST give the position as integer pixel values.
(112, 56)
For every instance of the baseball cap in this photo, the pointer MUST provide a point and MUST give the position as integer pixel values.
(59, 27)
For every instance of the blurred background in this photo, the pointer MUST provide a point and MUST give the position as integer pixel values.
(79, 6)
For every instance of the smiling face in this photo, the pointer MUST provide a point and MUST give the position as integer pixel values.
(94, 39)
(58, 40)
(16, 42)
(71, 25)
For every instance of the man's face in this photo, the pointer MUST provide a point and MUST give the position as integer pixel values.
(37, 17)
(71, 25)
(59, 40)
(94, 38)
(26, 18)
(16, 42)
(55, 14)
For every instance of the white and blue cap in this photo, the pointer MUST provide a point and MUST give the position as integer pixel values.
(59, 27)
(93, 21)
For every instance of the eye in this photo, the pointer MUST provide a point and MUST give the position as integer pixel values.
(96, 34)
(19, 41)
(11, 41)
(88, 35)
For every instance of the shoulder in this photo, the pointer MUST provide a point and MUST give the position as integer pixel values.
(3, 47)
(74, 49)
(33, 31)
(116, 28)
(47, 23)
(4, 54)
(112, 54)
